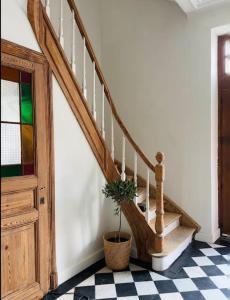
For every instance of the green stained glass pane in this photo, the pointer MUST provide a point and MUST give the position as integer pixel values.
(26, 104)
(10, 171)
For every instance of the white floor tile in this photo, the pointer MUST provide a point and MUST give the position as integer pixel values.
(225, 268)
(171, 296)
(135, 268)
(194, 272)
(216, 246)
(146, 288)
(203, 261)
(222, 282)
(185, 285)
(213, 295)
(88, 281)
(105, 291)
(227, 257)
(129, 298)
(156, 276)
(209, 252)
(105, 270)
(123, 277)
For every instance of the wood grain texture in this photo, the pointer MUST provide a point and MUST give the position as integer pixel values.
(25, 221)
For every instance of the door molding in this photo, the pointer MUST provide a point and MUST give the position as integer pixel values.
(16, 55)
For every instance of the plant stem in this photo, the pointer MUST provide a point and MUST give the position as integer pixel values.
(119, 235)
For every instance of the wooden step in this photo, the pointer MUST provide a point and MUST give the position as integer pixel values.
(141, 192)
(174, 244)
(169, 218)
(174, 240)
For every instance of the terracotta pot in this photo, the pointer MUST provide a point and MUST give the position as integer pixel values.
(117, 254)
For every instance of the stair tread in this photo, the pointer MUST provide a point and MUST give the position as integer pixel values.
(174, 239)
(169, 217)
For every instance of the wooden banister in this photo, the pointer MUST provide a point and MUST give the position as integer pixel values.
(106, 89)
(159, 225)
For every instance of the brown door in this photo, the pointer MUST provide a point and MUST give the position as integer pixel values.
(24, 174)
(224, 133)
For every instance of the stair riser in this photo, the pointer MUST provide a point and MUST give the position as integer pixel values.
(171, 227)
(163, 263)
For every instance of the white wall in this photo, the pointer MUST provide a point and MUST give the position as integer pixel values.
(82, 215)
(158, 65)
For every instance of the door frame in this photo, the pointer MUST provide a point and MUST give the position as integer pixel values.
(20, 56)
(221, 76)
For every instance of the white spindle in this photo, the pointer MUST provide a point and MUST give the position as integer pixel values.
(48, 8)
(84, 70)
(103, 113)
(112, 136)
(61, 32)
(73, 58)
(147, 217)
(123, 176)
(94, 92)
(135, 173)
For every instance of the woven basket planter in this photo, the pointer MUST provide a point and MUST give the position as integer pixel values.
(117, 254)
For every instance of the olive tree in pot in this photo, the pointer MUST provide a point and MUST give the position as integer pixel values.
(117, 244)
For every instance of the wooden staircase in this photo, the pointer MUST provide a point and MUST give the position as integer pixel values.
(162, 230)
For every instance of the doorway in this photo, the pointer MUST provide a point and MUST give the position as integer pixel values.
(26, 173)
(224, 132)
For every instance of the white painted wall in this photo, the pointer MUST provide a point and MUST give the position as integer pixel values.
(158, 65)
(82, 215)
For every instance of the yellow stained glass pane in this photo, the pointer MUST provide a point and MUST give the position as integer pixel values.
(27, 144)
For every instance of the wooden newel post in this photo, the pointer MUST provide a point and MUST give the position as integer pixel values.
(159, 225)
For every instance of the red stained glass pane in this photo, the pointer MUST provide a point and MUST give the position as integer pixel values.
(28, 169)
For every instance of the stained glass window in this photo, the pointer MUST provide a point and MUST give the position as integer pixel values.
(17, 134)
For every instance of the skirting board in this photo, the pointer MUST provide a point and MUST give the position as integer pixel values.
(64, 275)
(208, 238)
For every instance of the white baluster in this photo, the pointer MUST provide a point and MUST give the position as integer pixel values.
(112, 137)
(147, 215)
(61, 32)
(94, 92)
(73, 58)
(48, 8)
(135, 173)
(123, 176)
(103, 113)
(84, 70)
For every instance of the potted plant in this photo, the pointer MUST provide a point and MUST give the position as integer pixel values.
(117, 244)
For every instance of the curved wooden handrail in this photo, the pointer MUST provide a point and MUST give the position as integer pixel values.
(106, 89)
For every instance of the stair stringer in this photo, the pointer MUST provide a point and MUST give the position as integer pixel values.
(143, 234)
(51, 48)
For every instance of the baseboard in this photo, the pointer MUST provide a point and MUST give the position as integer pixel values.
(208, 237)
(80, 266)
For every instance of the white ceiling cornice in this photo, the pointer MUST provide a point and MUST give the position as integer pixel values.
(193, 5)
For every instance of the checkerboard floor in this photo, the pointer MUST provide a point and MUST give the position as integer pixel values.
(203, 275)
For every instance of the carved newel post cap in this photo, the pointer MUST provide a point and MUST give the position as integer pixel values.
(160, 157)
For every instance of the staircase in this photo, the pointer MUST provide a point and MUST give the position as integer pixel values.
(162, 230)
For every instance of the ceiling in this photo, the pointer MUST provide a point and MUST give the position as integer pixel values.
(194, 5)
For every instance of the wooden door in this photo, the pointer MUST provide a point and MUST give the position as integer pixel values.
(224, 133)
(25, 248)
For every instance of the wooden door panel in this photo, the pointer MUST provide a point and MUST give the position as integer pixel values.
(18, 259)
(25, 255)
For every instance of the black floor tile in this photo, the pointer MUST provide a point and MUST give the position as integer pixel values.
(204, 283)
(84, 291)
(196, 295)
(218, 260)
(165, 286)
(212, 270)
(150, 297)
(104, 278)
(141, 276)
(126, 289)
